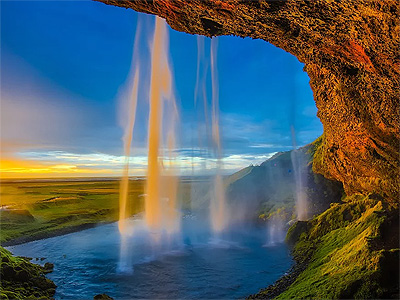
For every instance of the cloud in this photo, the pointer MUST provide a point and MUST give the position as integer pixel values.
(36, 113)
(65, 164)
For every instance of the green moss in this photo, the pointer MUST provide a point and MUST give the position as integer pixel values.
(318, 153)
(295, 231)
(20, 279)
(316, 145)
(282, 210)
(340, 247)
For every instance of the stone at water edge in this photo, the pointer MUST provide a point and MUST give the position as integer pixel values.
(48, 267)
(102, 297)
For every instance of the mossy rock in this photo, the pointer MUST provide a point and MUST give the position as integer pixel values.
(102, 297)
(21, 279)
(295, 231)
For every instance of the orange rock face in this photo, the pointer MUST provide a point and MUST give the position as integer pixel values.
(351, 53)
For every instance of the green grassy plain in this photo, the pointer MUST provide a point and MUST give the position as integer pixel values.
(38, 209)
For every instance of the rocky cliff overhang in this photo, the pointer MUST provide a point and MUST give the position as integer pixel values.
(351, 53)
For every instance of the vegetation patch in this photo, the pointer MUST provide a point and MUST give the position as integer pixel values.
(35, 210)
(21, 279)
(347, 251)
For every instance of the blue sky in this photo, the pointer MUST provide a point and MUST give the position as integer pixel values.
(64, 69)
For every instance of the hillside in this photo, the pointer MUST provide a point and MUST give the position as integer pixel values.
(349, 251)
(276, 183)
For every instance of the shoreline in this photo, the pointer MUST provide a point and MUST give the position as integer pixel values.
(55, 233)
(281, 284)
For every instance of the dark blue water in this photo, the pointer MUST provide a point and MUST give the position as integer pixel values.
(233, 266)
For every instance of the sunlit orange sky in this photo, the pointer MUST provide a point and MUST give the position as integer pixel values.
(65, 67)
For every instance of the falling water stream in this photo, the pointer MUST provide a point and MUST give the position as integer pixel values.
(300, 196)
(124, 185)
(161, 187)
(160, 87)
(218, 213)
(160, 201)
(127, 140)
(161, 214)
(124, 263)
(218, 202)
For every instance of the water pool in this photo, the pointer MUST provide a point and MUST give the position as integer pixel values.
(233, 266)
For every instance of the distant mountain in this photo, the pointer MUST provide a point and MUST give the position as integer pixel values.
(263, 190)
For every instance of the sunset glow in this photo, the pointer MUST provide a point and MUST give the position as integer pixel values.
(61, 109)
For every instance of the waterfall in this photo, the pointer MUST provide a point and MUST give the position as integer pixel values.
(160, 89)
(218, 213)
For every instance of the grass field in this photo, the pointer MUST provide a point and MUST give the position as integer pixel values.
(39, 209)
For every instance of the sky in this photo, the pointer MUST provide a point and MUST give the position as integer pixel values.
(65, 76)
